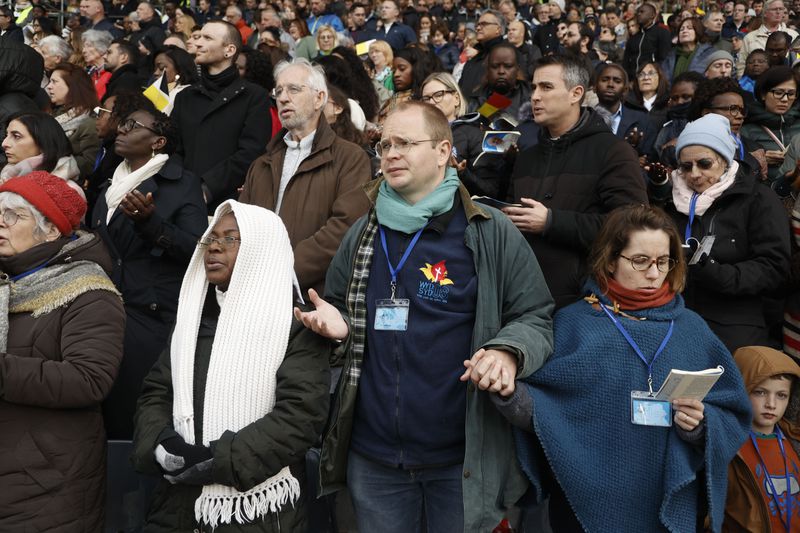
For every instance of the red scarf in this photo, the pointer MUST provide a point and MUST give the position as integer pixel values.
(635, 300)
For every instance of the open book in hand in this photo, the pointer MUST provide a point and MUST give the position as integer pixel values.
(688, 384)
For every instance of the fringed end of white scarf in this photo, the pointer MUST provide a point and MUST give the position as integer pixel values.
(219, 505)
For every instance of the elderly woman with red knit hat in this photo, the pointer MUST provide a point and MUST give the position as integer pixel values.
(61, 329)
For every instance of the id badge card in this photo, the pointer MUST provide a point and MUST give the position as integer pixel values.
(391, 315)
(646, 410)
(703, 249)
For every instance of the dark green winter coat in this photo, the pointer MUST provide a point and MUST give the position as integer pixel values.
(250, 456)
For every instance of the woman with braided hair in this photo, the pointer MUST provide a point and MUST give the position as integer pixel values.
(150, 216)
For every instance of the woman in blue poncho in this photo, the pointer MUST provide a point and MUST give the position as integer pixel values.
(614, 460)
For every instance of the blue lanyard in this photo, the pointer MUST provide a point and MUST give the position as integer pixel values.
(100, 154)
(692, 206)
(394, 270)
(788, 523)
(741, 147)
(29, 272)
(636, 346)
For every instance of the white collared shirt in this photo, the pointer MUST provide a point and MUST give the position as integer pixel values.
(296, 152)
(616, 118)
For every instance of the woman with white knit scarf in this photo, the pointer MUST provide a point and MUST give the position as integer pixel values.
(229, 411)
(149, 215)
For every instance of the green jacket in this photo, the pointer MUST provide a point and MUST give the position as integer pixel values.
(514, 310)
(256, 452)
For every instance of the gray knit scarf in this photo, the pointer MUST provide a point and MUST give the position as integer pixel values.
(50, 287)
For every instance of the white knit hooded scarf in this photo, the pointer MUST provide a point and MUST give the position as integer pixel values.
(249, 345)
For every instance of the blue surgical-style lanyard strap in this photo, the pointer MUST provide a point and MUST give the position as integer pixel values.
(636, 348)
(394, 270)
(779, 434)
(692, 206)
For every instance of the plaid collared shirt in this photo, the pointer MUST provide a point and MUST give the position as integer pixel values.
(357, 298)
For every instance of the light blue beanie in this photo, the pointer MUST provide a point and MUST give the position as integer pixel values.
(712, 131)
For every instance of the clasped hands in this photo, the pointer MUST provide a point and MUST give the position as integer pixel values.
(492, 370)
(189, 464)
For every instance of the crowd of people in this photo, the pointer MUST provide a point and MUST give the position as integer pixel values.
(436, 255)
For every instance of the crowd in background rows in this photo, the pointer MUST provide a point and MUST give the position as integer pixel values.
(158, 114)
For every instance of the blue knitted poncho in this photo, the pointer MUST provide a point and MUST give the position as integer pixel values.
(619, 476)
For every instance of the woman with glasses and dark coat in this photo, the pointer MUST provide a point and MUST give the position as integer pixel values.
(735, 232)
(773, 118)
(150, 216)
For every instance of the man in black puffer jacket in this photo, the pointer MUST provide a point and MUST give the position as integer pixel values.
(577, 173)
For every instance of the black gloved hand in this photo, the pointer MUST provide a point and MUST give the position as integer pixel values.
(175, 456)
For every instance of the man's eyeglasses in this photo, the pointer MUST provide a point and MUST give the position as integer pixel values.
(436, 97)
(734, 110)
(779, 94)
(224, 242)
(11, 217)
(291, 89)
(702, 164)
(97, 111)
(130, 124)
(640, 263)
(484, 23)
(402, 146)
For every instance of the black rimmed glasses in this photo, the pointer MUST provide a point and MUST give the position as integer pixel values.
(402, 146)
(484, 23)
(734, 110)
(130, 124)
(224, 242)
(640, 263)
(436, 97)
(780, 94)
(11, 217)
(702, 164)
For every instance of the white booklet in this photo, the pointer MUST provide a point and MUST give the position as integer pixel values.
(688, 384)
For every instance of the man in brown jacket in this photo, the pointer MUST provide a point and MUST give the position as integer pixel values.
(310, 177)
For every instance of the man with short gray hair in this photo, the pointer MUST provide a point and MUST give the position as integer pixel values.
(773, 14)
(54, 50)
(268, 18)
(309, 176)
(234, 15)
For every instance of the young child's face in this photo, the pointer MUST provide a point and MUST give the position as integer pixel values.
(769, 400)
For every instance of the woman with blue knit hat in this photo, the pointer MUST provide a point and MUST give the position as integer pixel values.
(735, 233)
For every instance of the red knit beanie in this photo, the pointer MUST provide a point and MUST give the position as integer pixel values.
(51, 196)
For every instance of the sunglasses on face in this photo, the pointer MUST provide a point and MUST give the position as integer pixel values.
(702, 164)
